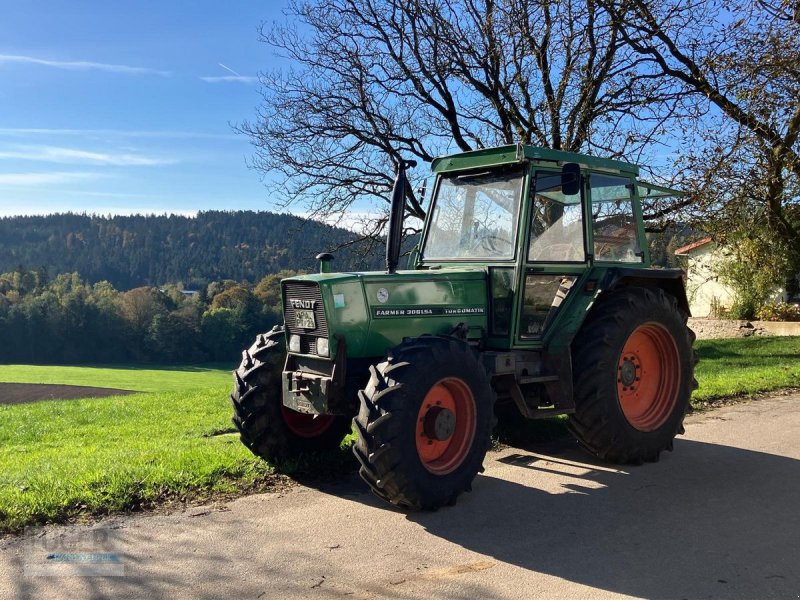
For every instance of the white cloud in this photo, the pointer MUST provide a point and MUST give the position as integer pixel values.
(360, 221)
(230, 78)
(229, 70)
(13, 211)
(27, 179)
(233, 77)
(357, 221)
(80, 65)
(129, 133)
(55, 154)
(91, 194)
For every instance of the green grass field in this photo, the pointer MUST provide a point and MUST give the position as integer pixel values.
(743, 366)
(137, 378)
(59, 459)
(62, 458)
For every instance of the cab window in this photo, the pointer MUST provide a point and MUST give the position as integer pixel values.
(556, 222)
(614, 228)
(475, 215)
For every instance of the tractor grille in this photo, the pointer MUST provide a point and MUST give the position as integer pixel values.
(308, 344)
(305, 292)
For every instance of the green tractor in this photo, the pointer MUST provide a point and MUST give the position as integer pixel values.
(530, 294)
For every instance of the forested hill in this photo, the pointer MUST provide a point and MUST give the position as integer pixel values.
(131, 251)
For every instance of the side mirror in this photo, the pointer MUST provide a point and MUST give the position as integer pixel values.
(396, 212)
(571, 179)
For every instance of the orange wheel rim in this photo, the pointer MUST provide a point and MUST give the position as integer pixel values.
(306, 426)
(446, 426)
(648, 377)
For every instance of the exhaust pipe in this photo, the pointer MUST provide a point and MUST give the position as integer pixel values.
(395, 235)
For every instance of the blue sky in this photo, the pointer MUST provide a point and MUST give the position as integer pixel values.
(123, 107)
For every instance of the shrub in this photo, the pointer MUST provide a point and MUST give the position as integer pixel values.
(755, 266)
(781, 311)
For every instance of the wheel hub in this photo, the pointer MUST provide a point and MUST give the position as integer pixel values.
(439, 423)
(446, 423)
(627, 371)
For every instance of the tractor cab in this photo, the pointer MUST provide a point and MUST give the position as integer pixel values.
(540, 222)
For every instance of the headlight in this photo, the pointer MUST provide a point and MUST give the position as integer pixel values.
(322, 346)
(294, 343)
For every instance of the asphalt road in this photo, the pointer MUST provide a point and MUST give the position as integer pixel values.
(718, 518)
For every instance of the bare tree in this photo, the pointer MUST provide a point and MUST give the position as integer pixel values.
(741, 58)
(373, 80)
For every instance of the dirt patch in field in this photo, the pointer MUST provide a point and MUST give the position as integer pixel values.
(17, 393)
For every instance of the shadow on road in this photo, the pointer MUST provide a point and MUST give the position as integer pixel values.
(706, 521)
(717, 516)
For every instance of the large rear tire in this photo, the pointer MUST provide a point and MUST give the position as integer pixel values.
(266, 426)
(424, 423)
(634, 375)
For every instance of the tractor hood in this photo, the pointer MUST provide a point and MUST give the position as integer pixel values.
(402, 304)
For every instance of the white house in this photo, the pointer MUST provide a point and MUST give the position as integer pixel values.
(703, 287)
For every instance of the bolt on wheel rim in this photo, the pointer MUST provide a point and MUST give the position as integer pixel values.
(446, 424)
(648, 377)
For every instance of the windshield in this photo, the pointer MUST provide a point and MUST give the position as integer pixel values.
(475, 215)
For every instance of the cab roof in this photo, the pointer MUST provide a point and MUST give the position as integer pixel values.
(518, 153)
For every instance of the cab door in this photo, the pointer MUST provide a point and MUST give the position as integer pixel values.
(555, 255)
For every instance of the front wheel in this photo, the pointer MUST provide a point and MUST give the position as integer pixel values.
(266, 426)
(424, 423)
(634, 375)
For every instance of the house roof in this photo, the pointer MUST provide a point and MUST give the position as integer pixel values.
(689, 247)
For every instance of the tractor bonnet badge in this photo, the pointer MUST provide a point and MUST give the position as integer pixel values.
(302, 303)
(383, 295)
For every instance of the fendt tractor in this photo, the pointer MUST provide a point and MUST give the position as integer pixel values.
(530, 294)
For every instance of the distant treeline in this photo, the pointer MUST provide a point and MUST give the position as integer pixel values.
(133, 251)
(230, 266)
(67, 320)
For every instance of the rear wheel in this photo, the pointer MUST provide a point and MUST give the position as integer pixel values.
(634, 375)
(424, 423)
(266, 426)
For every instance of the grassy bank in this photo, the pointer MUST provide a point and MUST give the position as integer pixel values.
(59, 459)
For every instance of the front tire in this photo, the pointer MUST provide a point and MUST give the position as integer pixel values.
(424, 423)
(634, 376)
(269, 429)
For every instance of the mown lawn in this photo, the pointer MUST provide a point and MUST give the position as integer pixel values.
(138, 378)
(741, 366)
(59, 459)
